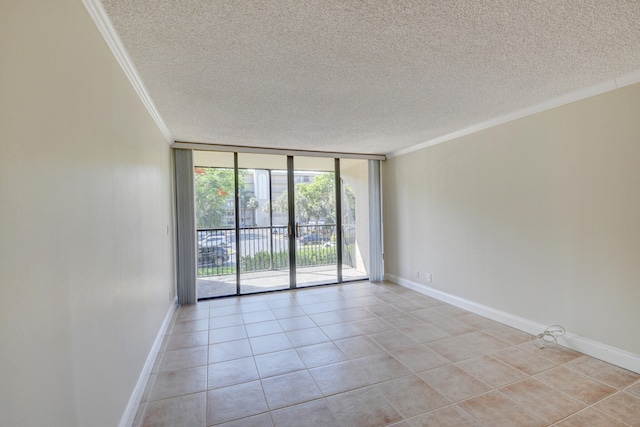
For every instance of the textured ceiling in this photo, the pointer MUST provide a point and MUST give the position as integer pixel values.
(362, 76)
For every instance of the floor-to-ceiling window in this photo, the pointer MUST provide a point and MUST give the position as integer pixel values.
(269, 222)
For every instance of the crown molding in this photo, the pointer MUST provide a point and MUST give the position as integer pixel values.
(568, 98)
(102, 21)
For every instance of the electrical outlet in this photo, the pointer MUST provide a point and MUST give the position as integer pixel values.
(417, 274)
(429, 277)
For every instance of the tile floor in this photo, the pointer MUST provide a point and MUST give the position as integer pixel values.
(365, 354)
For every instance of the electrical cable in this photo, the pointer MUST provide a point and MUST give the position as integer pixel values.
(549, 338)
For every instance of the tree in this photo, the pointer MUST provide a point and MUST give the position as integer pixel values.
(213, 188)
(314, 200)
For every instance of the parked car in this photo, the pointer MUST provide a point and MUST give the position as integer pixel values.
(213, 240)
(312, 239)
(212, 255)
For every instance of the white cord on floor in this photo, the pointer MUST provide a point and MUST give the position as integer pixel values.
(549, 338)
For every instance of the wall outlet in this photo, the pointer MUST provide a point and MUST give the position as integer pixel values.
(429, 277)
(417, 274)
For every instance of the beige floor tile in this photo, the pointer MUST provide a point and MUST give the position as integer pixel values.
(453, 349)
(320, 307)
(424, 333)
(550, 404)
(491, 371)
(229, 350)
(231, 333)
(634, 389)
(372, 326)
(449, 310)
(184, 358)
(232, 372)
(328, 318)
(405, 305)
(604, 372)
(453, 327)
(187, 411)
(382, 367)
(177, 383)
(315, 414)
(411, 396)
(296, 323)
(393, 340)
(224, 311)
(260, 420)
(235, 402)
(623, 407)
(186, 326)
(482, 342)
(193, 339)
(249, 306)
(320, 354)
(305, 337)
(523, 360)
(281, 302)
(290, 389)
(340, 377)
(268, 327)
(559, 355)
(426, 301)
(379, 353)
(341, 331)
(578, 386)
(496, 410)
(454, 383)
(258, 316)
(192, 312)
(287, 312)
(278, 363)
(451, 416)
(382, 309)
(270, 343)
(401, 320)
(429, 315)
(589, 417)
(358, 346)
(508, 334)
(419, 358)
(353, 314)
(225, 321)
(477, 321)
(365, 407)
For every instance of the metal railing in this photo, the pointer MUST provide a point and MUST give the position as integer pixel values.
(266, 248)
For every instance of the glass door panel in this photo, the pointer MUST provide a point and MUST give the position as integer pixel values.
(354, 190)
(315, 215)
(215, 224)
(263, 223)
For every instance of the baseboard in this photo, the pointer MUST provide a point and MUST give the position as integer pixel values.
(134, 401)
(613, 355)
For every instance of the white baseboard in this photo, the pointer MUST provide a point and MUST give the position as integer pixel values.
(613, 355)
(134, 401)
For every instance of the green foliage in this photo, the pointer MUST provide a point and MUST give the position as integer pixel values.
(213, 187)
(315, 200)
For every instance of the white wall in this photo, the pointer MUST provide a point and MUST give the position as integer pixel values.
(86, 260)
(539, 217)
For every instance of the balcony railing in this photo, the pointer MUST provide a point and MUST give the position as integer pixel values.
(266, 248)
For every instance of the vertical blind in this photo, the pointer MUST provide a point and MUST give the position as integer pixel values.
(376, 265)
(186, 225)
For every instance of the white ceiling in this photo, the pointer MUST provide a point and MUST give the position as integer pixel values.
(361, 76)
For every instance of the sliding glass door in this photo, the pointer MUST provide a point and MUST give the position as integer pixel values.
(270, 222)
(315, 221)
(264, 223)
